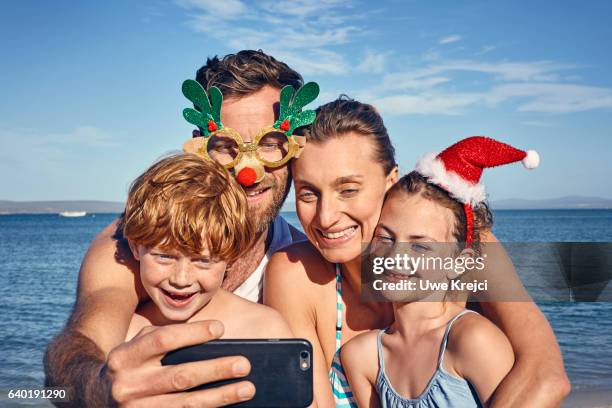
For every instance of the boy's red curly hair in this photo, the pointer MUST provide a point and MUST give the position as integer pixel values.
(187, 204)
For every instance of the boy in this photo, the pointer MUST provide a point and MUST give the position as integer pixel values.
(185, 219)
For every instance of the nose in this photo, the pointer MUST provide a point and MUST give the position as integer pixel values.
(246, 177)
(182, 276)
(328, 212)
(249, 170)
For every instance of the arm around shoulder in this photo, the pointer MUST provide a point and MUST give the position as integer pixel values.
(106, 300)
(538, 377)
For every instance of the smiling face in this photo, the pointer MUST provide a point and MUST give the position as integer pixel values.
(179, 285)
(248, 115)
(418, 227)
(339, 189)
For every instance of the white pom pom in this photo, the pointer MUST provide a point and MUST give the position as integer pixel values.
(532, 160)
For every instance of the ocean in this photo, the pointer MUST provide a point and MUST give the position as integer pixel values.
(40, 257)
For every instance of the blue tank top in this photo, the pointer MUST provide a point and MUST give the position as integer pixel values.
(340, 386)
(443, 391)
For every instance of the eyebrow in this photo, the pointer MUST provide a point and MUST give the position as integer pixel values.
(411, 237)
(353, 178)
(422, 237)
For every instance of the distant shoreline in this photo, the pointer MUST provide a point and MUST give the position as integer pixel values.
(293, 211)
(113, 207)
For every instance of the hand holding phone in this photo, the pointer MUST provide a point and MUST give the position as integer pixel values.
(281, 369)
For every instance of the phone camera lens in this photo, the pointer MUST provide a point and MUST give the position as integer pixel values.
(304, 355)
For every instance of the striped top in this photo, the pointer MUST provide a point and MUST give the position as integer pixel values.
(340, 387)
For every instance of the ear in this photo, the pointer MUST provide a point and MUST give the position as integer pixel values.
(465, 253)
(301, 142)
(134, 249)
(195, 145)
(392, 178)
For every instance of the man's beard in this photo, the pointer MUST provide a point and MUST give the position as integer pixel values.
(263, 217)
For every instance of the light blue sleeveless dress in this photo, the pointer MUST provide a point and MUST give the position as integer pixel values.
(340, 386)
(443, 391)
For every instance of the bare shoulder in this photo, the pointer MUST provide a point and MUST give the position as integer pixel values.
(364, 343)
(300, 261)
(361, 353)
(474, 338)
(245, 319)
(297, 281)
(142, 317)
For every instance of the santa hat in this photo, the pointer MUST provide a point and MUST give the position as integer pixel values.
(458, 169)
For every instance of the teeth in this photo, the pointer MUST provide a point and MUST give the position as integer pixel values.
(335, 235)
(254, 193)
(179, 296)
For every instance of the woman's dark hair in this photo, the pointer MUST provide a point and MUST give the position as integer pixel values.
(344, 115)
(414, 183)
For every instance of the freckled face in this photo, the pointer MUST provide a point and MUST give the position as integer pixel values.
(339, 188)
(179, 285)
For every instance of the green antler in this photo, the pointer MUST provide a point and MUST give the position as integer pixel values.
(291, 117)
(207, 115)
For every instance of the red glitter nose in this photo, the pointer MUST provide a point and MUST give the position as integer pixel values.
(246, 177)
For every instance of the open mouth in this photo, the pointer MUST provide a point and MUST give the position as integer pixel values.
(178, 299)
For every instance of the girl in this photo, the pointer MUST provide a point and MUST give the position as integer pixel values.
(436, 353)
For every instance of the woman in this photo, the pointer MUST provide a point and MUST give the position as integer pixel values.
(340, 182)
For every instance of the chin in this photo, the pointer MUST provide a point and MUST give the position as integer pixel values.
(340, 255)
(177, 316)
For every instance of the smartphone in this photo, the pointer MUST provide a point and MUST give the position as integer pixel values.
(281, 369)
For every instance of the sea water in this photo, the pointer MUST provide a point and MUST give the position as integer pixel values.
(40, 257)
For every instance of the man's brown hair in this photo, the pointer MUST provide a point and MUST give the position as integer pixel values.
(246, 72)
(185, 203)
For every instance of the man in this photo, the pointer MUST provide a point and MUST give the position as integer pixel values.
(109, 287)
(90, 354)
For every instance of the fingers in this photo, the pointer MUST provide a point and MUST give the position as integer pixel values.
(157, 341)
(181, 377)
(216, 397)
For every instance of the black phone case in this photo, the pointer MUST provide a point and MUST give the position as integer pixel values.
(276, 370)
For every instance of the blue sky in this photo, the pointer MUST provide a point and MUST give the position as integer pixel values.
(90, 91)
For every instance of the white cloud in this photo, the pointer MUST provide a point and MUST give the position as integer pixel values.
(426, 103)
(301, 8)
(27, 140)
(314, 62)
(84, 136)
(533, 97)
(503, 70)
(537, 123)
(227, 9)
(485, 50)
(553, 98)
(450, 39)
(305, 30)
(373, 62)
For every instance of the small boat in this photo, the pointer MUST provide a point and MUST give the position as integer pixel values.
(73, 213)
